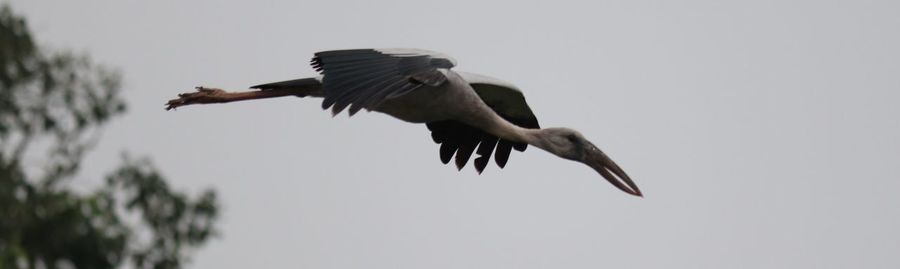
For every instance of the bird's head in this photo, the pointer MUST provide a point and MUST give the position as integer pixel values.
(570, 144)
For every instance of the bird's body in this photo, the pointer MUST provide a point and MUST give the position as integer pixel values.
(465, 112)
(453, 99)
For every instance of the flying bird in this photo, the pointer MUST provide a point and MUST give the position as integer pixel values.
(466, 113)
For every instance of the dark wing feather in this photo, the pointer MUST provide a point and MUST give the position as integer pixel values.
(363, 78)
(461, 139)
(484, 153)
(503, 149)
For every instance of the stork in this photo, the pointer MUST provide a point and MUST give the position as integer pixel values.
(465, 112)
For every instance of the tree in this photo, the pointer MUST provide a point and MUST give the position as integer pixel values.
(52, 106)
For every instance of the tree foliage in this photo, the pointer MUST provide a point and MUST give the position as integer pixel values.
(52, 106)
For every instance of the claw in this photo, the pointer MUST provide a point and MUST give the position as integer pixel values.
(200, 96)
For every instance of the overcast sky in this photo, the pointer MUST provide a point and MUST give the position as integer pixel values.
(764, 134)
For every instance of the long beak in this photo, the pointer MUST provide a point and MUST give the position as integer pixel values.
(611, 171)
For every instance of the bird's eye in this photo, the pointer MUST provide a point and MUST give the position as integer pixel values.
(572, 138)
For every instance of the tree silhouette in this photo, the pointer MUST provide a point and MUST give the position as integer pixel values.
(52, 106)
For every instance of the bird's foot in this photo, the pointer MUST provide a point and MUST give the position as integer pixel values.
(203, 95)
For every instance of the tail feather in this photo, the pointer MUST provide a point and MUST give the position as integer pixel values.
(312, 86)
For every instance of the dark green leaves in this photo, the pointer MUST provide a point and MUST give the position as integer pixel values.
(52, 107)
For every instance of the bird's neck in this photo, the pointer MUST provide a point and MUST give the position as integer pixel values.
(483, 117)
(496, 125)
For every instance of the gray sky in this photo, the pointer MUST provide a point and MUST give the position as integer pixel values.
(764, 134)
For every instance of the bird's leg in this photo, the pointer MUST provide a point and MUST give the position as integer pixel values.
(205, 95)
(201, 96)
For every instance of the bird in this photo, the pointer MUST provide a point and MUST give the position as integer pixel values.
(466, 113)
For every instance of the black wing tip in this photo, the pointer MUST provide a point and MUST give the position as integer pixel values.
(481, 163)
(317, 64)
(462, 157)
(446, 152)
(462, 141)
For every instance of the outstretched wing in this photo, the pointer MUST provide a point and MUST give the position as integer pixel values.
(462, 140)
(363, 78)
